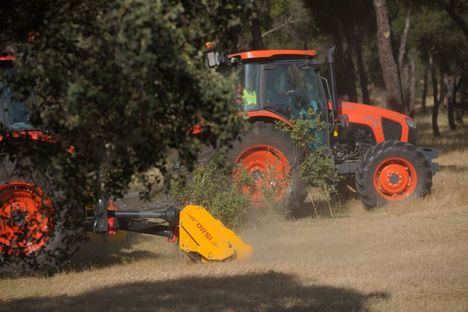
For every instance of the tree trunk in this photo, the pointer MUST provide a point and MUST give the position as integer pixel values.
(404, 40)
(462, 104)
(405, 77)
(449, 82)
(363, 81)
(386, 57)
(424, 91)
(435, 109)
(346, 77)
(412, 88)
(256, 30)
(442, 101)
(404, 68)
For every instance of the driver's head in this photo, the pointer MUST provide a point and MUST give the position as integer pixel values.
(297, 77)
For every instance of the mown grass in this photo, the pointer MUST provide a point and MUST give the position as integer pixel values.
(406, 257)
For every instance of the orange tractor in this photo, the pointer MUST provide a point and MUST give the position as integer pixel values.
(377, 146)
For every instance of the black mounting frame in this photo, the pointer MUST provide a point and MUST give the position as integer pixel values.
(135, 221)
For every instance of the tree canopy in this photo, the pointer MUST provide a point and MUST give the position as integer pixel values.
(124, 82)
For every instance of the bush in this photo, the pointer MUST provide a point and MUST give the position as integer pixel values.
(210, 186)
(318, 168)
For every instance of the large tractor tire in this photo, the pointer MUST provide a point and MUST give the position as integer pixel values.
(271, 160)
(36, 233)
(392, 171)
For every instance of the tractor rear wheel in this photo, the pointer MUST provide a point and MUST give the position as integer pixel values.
(270, 160)
(392, 171)
(36, 233)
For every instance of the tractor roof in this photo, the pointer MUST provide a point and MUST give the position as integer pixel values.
(7, 57)
(249, 55)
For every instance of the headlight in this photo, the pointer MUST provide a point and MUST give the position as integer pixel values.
(410, 123)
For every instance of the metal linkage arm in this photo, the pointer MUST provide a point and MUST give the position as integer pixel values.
(108, 221)
(170, 215)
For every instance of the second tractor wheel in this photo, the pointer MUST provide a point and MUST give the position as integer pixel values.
(392, 171)
(270, 160)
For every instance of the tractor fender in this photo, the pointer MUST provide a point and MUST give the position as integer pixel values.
(252, 116)
(266, 116)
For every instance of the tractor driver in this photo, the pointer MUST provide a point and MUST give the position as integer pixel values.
(298, 107)
(279, 89)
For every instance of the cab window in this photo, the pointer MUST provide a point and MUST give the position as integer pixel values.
(248, 86)
(293, 88)
(15, 109)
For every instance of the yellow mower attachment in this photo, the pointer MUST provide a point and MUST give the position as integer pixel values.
(207, 239)
(196, 231)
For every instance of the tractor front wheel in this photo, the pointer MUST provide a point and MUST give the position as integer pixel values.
(392, 171)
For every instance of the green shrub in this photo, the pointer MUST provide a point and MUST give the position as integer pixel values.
(210, 185)
(318, 168)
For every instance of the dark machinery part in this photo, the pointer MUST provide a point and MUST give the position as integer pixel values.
(107, 221)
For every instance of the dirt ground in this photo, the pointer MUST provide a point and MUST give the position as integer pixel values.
(407, 257)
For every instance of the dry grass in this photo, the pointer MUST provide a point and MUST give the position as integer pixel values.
(407, 257)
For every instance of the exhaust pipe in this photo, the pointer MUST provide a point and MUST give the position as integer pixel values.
(331, 72)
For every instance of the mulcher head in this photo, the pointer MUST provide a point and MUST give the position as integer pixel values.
(205, 238)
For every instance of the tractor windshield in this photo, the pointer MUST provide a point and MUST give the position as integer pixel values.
(289, 88)
(292, 89)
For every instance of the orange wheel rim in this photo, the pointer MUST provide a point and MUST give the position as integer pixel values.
(26, 219)
(395, 179)
(268, 170)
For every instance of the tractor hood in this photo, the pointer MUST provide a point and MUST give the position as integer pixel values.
(379, 119)
(350, 107)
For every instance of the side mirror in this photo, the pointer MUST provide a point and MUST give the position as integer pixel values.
(212, 59)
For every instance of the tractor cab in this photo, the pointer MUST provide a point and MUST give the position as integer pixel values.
(285, 82)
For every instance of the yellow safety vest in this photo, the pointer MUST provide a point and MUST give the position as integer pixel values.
(249, 98)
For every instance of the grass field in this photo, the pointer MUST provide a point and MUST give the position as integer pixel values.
(407, 257)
